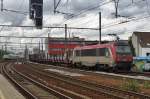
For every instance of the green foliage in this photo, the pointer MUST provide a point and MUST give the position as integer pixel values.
(147, 85)
(2, 53)
(130, 85)
(131, 46)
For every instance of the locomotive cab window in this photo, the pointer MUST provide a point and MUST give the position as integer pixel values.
(107, 53)
(88, 52)
(123, 49)
(103, 52)
(77, 52)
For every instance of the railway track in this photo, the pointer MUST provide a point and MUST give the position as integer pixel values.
(86, 91)
(146, 74)
(30, 88)
(97, 88)
(117, 75)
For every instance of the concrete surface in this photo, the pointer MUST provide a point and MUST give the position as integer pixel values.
(7, 91)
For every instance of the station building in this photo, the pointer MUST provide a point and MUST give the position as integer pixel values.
(141, 43)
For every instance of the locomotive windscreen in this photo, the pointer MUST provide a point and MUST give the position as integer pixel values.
(123, 49)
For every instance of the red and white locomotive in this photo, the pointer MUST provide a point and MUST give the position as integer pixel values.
(115, 55)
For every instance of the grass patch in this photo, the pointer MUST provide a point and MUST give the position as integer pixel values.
(146, 85)
(130, 85)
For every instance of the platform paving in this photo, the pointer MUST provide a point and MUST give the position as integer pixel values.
(7, 91)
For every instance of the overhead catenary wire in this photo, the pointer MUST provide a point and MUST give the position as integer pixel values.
(116, 7)
(134, 3)
(73, 16)
(61, 27)
(2, 28)
(127, 21)
(102, 28)
(61, 12)
(15, 11)
(120, 16)
(127, 17)
(78, 28)
(31, 37)
(147, 6)
(14, 43)
(85, 10)
(11, 10)
(2, 5)
(92, 8)
(57, 4)
(20, 6)
(106, 27)
(16, 16)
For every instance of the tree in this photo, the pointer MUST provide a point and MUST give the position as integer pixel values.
(131, 46)
(2, 53)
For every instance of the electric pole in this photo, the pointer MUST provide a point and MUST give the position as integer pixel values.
(66, 40)
(132, 1)
(99, 27)
(39, 50)
(5, 48)
(1, 5)
(2, 51)
(116, 7)
(1, 54)
(42, 49)
(54, 6)
(47, 46)
(26, 52)
(65, 36)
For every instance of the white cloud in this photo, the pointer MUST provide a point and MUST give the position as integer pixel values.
(53, 19)
(27, 21)
(88, 19)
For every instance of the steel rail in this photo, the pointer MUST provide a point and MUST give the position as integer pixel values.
(98, 73)
(62, 96)
(25, 92)
(54, 92)
(77, 82)
(147, 74)
(130, 93)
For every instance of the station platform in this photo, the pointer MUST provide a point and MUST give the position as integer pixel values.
(7, 91)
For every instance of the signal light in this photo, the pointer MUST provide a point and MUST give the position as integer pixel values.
(36, 12)
(38, 22)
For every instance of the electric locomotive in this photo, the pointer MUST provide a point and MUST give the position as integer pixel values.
(115, 56)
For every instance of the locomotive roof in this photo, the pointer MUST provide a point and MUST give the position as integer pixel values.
(101, 45)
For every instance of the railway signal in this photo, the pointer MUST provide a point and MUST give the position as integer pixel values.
(36, 12)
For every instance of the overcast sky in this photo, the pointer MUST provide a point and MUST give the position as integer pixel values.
(87, 18)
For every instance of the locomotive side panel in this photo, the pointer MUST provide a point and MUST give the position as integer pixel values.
(93, 56)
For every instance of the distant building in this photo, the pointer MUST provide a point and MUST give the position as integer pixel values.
(35, 50)
(141, 43)
(38, 53)
(56, 47)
